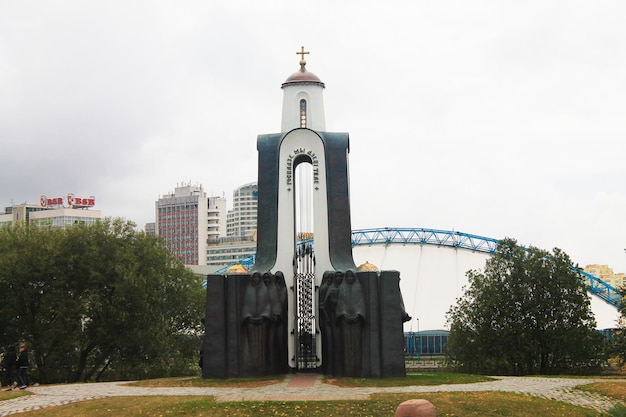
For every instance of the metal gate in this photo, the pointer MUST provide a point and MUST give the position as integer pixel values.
(306, 356)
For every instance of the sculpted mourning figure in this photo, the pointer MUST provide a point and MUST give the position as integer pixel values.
(281, 325)
(332, 298)
(256, 318)
(326, 321)
(350, 318)
(281, 291)
(275, 311)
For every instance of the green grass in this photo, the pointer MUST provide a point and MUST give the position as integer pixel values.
(8, 395)
(448, 404)
(608, 388)
(415, 378)
(383, 405)
(217, 383)
(412, 378)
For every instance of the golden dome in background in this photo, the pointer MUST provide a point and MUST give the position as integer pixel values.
(237, 269)
(367, 267)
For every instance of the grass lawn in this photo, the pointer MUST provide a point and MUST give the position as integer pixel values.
(414, 378)
(200, 382)
(448, 404)
(612, 389)
(384, 405)
(417, 378)
(7, 395)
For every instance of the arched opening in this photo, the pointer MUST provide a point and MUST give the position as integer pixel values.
(306, 355)
(304, 200)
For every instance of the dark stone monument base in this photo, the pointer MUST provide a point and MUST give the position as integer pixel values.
(361, 317)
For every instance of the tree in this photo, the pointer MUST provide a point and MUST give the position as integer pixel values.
(527, 313)
(98, 301)
(618, 341)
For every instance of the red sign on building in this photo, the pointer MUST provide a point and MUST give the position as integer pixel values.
(80, 202)
(47, 202)
(72, 201)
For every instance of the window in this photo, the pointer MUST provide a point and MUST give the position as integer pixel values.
(303, 113)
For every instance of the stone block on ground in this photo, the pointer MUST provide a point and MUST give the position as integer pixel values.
(416, 408)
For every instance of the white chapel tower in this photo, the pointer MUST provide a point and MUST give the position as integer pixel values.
(303, 101)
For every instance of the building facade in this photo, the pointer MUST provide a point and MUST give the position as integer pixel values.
(187, 220)
(58, 212)
(229, 250)
(150, 229)
(64, 217)
(216, 219)
(181, 218)
(606, 274)
(18, 213)
(242, 218)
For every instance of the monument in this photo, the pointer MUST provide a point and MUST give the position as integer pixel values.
(304, 305)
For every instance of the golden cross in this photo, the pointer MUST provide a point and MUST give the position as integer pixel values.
(302, 54)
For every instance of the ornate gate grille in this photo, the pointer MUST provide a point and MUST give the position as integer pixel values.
(305, 315)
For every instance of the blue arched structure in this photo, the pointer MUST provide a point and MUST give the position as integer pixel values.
(452, 239)
(423, 236)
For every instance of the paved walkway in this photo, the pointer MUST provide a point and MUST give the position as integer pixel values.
(304, 387)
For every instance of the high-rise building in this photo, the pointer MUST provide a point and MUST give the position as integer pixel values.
(240, 239)
(216, 219)
(187, 220)
(242, 219)
(181, 222)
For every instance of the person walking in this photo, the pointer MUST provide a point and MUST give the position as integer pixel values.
(22, 365)
(9, 362)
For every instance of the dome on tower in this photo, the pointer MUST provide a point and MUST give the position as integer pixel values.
(367, 267)
(303, 77)
(237, 269)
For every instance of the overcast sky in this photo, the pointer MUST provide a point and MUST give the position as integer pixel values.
(496, 118)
